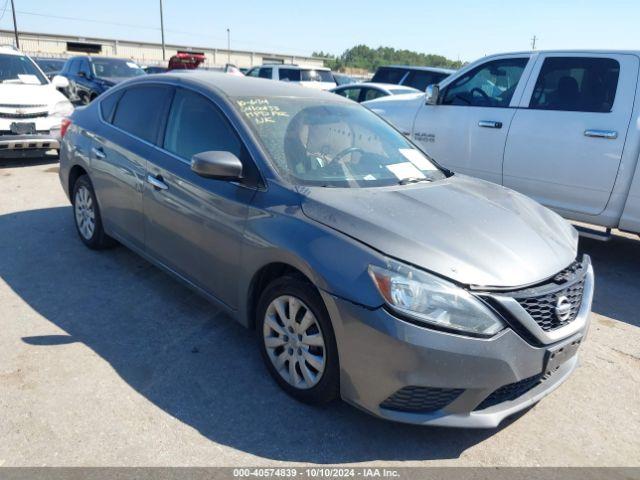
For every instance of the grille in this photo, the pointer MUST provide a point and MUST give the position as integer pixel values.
(543, 308)
(510, 392)
(23, 115)
(421, 399)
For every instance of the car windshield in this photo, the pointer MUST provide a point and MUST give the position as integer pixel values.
(115, 68)
(317, 142)
(20, 69)
(305, 75)
(50, 65)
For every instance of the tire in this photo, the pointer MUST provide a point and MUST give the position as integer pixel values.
(317, 385)
(86, 215)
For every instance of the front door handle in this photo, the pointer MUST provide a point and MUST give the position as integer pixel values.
(98, 152)
(608, 134)
(489, 124)
(157, 183)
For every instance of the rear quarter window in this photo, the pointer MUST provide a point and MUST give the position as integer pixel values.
(108, 106)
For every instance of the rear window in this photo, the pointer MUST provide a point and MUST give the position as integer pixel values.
(140, 111)
(389, 75)
(305, 75)
(577, 84)
(421, 79)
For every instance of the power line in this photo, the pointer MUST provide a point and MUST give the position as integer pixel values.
(155, 29)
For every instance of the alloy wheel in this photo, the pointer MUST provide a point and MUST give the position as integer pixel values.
(84, 212)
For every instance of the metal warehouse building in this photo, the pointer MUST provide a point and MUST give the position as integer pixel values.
(49, 45)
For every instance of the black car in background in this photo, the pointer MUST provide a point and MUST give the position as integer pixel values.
(411, 76)
(90, 76)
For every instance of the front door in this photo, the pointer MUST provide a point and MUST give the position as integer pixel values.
(194, 225)
(567, 138)
(467, 131)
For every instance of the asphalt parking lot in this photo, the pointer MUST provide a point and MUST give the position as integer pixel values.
(105, 360)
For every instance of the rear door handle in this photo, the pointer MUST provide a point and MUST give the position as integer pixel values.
(98, 152)
(157, 183)
(489, 124)
(608, 134)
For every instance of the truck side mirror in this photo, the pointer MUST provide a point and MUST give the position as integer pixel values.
(432, 94)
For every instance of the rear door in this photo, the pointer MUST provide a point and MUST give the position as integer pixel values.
(467, 130)
(119, 155)
(567, 138)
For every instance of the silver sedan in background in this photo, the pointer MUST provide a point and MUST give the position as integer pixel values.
(362, 92)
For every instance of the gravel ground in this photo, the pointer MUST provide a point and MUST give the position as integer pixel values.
(105, 360)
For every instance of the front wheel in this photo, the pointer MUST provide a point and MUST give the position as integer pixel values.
(297, 340)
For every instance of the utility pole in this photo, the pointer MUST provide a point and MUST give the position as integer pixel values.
(228, 46)
(533, 42)
(15, 25)
(164, 55)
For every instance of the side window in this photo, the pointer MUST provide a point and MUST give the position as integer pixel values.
(108, 106)
(73, 66)
(253, 72)
(84, 67)
(371, 93)
(196, 125)
(350, 93)
(266, 73)
(491, 84)
(577, 84)
(140, 111)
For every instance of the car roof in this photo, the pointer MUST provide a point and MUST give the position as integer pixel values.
(10, 50)
(101, 57)
(425, 69)
(235, 86)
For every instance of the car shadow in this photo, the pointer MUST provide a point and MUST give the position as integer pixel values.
(45, 159)
(185, 356)
(616, 264)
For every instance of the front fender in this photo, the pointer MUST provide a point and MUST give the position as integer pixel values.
(334, 262)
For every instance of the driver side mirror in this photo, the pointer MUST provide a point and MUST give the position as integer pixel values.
(217, 164)
(432, 94)
(59, 81)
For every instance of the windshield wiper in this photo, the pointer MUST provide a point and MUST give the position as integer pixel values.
(406, 181)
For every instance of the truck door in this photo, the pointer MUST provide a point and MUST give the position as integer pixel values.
(567, 138)
(466, 132)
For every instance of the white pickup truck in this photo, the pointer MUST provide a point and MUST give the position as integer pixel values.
(562, 127)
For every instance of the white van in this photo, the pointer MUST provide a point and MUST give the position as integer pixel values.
(560, 126)
(31, 107)
(314, 77)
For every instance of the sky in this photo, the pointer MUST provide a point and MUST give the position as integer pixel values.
(457, 29)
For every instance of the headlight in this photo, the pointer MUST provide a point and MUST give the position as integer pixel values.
(431, 300)
(62, 109)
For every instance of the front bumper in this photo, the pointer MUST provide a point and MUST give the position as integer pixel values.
(25, 145)
(381, 354)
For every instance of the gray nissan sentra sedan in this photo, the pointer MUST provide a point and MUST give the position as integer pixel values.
(367, 271)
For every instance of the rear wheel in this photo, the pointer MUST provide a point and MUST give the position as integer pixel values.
(86, 214)
(297, 340)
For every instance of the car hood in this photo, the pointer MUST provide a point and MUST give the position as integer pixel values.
(471, 231)
(21, 94)
(111, 81)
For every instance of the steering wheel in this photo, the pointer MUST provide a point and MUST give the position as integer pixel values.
(346, 151)
(482, 94)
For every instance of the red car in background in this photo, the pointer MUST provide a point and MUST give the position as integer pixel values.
(186, 60)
